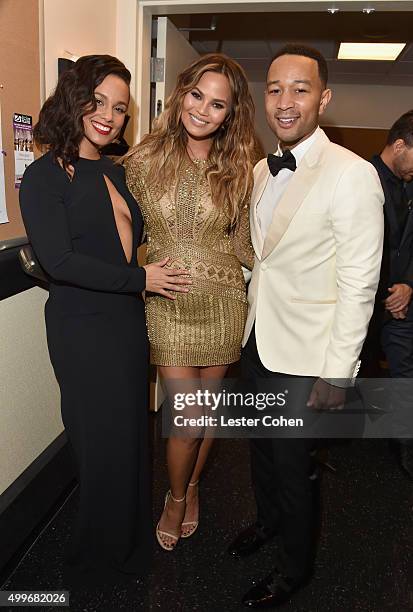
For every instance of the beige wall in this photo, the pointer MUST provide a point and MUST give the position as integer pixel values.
(29, 407)
(367, 106)
(84, 27)
(81, 27)
(373, 106)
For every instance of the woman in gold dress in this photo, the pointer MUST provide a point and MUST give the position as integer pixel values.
(192, 177)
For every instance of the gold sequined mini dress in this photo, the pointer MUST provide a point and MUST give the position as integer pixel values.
(203, 327)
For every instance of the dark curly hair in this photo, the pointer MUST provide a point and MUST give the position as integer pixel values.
(60, 126)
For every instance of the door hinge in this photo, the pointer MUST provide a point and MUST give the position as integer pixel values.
(157, 69)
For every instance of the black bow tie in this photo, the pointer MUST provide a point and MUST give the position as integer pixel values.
(275, 163)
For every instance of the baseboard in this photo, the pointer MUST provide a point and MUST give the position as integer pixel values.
(28, 504)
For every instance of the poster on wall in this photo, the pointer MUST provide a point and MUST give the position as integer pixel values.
(23, 145)
(3, 210)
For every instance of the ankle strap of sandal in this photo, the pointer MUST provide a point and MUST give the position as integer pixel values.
(178, 501)
(193, 484)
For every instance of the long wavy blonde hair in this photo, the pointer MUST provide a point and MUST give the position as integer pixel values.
(235, 147)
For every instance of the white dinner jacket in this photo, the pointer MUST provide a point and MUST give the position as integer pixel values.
(316, 273)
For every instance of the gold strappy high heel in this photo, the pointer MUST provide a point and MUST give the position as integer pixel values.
(192, 526)
(159, 533)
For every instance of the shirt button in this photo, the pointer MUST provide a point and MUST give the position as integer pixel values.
(264, 266)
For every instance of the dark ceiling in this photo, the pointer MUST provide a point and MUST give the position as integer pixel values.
(252, 38)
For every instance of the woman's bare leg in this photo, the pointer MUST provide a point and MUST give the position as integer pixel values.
(210, 378)
(181, 453)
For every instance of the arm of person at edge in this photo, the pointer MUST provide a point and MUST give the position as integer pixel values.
(401, 293)
(399, 299)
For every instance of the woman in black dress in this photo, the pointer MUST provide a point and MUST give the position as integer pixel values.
(85, 228)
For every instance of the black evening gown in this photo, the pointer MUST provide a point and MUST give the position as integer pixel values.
(98, 347)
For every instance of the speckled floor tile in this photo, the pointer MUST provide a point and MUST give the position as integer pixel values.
(364, 559)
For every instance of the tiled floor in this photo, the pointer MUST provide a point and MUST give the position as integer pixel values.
(364, 561)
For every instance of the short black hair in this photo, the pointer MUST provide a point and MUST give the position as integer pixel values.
(305, 51)
(402, 128)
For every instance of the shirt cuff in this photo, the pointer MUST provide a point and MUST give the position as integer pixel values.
(139, 279)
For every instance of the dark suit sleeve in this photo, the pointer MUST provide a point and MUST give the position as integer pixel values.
(44, 216)
(408, 276)
(409, 272)
(408, 280)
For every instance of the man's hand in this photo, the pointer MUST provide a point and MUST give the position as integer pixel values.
(399, 298)
(324, 396)
(400, 315)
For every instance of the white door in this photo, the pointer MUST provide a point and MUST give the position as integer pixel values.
(173, 54)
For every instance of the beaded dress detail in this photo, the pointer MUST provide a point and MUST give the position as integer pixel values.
(203, 327)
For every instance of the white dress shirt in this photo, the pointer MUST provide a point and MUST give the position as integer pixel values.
(276, 185)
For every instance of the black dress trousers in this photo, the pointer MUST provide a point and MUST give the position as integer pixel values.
(283, 477)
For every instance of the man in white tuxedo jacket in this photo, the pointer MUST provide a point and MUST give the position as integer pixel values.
(317, 232)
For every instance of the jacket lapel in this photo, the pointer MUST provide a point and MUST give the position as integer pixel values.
(298, 188)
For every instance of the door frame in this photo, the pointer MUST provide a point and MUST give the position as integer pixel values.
(146, 9)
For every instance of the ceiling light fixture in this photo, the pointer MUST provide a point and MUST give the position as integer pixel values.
(333, 10)
(368, 11)
(370, 51)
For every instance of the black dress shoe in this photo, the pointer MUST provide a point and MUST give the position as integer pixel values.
(271, 592)
(250, 540)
